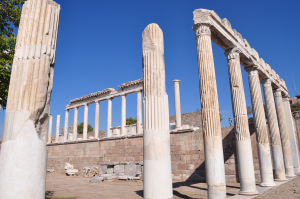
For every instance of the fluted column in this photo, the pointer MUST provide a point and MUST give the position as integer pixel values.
(296, 115)
(241, 125)
(97, 120)
(23, 156)
(214, 160)
(50, 129)
(291, 132)
(177, 103)
(57, 128)
(109, 117)
(262, 138)
(85, 121)
(287, 153)
(75, 125)
(139, 129)
(66, 125)
(278, 162)
(123, 116)
(157, 157)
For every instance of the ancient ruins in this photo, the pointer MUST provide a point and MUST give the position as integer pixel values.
(158, 148)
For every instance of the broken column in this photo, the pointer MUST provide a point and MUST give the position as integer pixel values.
(50, 129)
(291, 131)
(177, 103)
(278, 163)
(214, 160)
(241, 126)
(75, 124)
(57, 128)
(66, 125)
(123, 115)
(109, 117)
(97, 120)
(286, 149)
(139, 129)
(157, 157)
(85, 121)
(262, 138)
(23, 149)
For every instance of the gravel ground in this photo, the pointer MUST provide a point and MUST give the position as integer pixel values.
(289, 190)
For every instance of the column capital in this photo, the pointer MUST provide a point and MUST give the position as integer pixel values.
(296, 114)
(233, 53)
(266, 82)
(277, 92)
(285, 99)
(202, 29)
(176, 80)
(252, 70)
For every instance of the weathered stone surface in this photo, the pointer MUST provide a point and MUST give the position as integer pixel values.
(28, 103)
(119, 170)
(215, 173)
(130, 169)
(96, 179)
(50, 129)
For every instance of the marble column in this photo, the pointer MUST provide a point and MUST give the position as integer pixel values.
(262, 138)
(278, 162)
(97, 120)
(23, 156)
(214, 159)
(157, 155)
(297, 118)
(177, 103)
(123, 115)
(85, 121)
(287, 153)
(57, 128)
(66, 127)
(109, 117)
(291, 131)
(139, 129)
(50, 129)
(75, 125)
(241, 125)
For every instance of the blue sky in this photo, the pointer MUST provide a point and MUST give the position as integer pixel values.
(100, 46)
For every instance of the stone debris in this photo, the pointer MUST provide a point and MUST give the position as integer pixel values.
(96, 179)
(90, 172)
(70, 170)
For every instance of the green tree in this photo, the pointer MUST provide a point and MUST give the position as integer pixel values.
(295, 107)
(221, 117)
(80, 128)
(10, 14)
(249, 110)
(130, 121)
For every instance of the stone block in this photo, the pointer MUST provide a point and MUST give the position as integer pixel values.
(119, 169)
(103, 170)
(96, 179)
(130, 169)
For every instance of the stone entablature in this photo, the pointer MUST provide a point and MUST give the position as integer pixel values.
(109, 93)
(226, 38)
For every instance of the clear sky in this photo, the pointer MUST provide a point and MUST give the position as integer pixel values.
(100, 46)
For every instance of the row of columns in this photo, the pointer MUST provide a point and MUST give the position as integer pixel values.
(97, 111)
(282, 134)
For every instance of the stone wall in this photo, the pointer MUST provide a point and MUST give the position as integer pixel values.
(187, 152)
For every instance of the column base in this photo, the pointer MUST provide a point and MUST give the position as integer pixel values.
(297, 171)
(267, 184)
(281, 180)
(290, 176)
(249, 193)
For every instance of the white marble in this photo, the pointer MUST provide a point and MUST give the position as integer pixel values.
(66, 127)
(177, 103)
(139, 129)
(57, 128)
(85, 121)
(109, 117)
(97, 120)
(50, 129)
(75, 124)
(123, 115)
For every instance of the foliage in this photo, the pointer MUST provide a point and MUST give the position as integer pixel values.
(80, 128)
(249, 110)
(130, 121)
(295, 107)
(221, 117)
(10, 14)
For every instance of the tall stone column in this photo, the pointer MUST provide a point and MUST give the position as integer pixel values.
(241, 125)
(291, 132)
(278, 163)
(139, 129)
(214, 159)
(287, 153)
(50, 129)
(297, 118)
(157, 157)
(75, 125)
(28, 105)
(85, 121)
(97, 120)
(57, 128)
(177, 103)
(66, 127)
(263, 146)
(123, 115)
(109, 116)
